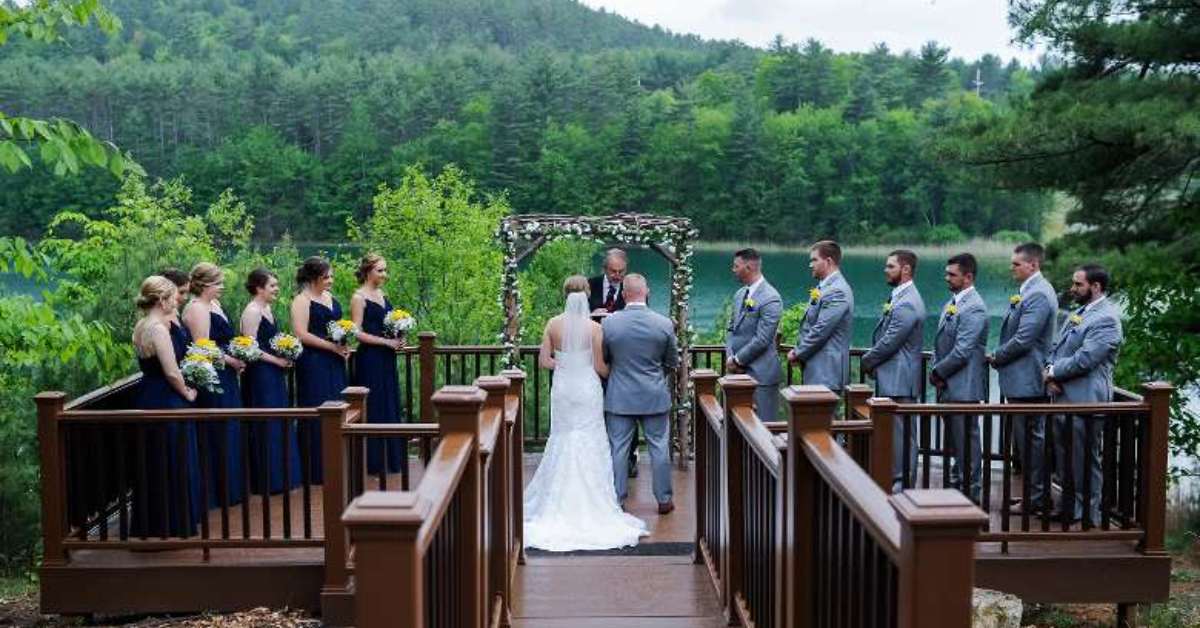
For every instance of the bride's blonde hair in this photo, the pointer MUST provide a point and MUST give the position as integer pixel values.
(576, 283)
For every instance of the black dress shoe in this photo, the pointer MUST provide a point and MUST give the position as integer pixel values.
(633, 469)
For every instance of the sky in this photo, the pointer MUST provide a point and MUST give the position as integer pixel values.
(969, 27)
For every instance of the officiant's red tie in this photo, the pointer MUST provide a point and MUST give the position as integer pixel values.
(610, 302)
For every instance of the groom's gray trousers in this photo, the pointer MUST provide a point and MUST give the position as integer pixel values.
(656, 427)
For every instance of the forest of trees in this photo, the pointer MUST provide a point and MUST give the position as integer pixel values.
(304, 108)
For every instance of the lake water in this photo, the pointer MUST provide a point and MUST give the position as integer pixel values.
(788, 272)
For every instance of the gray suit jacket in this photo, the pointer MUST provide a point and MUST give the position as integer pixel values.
(639, 345)
(960, 350)
(751, 333)
(895, 354)
(823, 344)
(1085, 355)
(1026, 335)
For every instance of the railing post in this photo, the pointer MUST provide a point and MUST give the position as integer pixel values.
(496, 489)
(51, 451)
(810, 409)
(458, 410)
(333, 503)
(739, 395)
(388, 564)
(883, 420)
(704, 383)
(938, 529)
(1153, 493)
(856, 396)
(516, 378)
(428, 365)
(355, 450)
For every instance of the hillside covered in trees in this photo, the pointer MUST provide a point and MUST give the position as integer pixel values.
(303, 108)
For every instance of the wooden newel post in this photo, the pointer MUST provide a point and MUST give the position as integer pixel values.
(458, 411)
(704, 384)
(938, 529)
(496, 488)
(856, 397)
(52, 449)
(810, 409)
(333, 416)
(739, 397)
(883, 420)
(384, 527)
(516, 477)
(427, 362)
(1153, 493)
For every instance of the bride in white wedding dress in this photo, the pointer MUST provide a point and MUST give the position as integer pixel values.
(571, 504)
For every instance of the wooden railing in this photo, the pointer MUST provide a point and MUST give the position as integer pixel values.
(795, 533)
(444, 554)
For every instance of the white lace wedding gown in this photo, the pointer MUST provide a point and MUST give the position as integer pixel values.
(571, 504)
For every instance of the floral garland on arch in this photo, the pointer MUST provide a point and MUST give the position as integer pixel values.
(673, 237)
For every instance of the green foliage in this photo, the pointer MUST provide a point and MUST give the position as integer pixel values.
(444, 265)
(945, 234)
(541, 282)
(1012, 236)
(789, 323)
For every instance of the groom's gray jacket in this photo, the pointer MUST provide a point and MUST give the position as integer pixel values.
(639, 346)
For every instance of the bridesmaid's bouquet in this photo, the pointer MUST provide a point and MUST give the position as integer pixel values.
(287, 346)
(397, 323)
(199, 372)
(245, 348)
(342, 332)
(207, 347)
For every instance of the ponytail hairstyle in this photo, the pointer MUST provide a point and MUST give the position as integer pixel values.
(204, 275)
(155, 289)
(369, 261)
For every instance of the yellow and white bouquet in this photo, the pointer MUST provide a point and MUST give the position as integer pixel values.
(287, 346)
(207, 347)
(245, 348)
(199, 371)
(398, 322)
(342, 332)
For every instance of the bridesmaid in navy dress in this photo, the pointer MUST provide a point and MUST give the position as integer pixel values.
(157, 509)
(204, 318)
(375, 361)
(321, 368)
(266, 387)
(180, 337)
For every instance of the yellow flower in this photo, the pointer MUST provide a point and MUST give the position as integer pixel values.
(242, 341)
(197, 357)
(814, 294)
(887, 307)
(1014, 299)
(206, 343)
(951, 309)
(286, 342)
(346, 324)
(398, 314)
(749, 302)
(1075, 319)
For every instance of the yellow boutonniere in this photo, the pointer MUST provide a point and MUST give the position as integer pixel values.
(1075, 319)
(887, 307)
(951, 309)
(1014, 300)
(814, 295)
(749, 303)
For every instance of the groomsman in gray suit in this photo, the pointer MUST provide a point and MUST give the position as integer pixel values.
(823, 344)
(894, 358)
(1080, 370)
(1026, 335)
(640, 347)
(750, 338)
(960, 370)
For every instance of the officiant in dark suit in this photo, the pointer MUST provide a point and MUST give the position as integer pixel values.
(606, 298)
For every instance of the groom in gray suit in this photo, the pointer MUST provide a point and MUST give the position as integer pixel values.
(895, 357)
(1026, 335)
(823, 343)
(639, 346)
(1080, 370)
(750, 338)
(960, 370)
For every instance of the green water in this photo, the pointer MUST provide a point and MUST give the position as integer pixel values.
(789, 273)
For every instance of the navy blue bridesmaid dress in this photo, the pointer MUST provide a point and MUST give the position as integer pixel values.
(375, 368)
(320, 377)
(266, 387)
(167, 503)
(224, 438)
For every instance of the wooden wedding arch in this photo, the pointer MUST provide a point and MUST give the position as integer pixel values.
(671, 237)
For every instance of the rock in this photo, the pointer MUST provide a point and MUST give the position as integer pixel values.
(994, 609)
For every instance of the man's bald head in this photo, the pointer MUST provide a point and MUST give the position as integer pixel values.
(634, 288)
